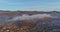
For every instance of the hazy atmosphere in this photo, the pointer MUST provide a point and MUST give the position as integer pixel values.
(29, 15)
(39, 5)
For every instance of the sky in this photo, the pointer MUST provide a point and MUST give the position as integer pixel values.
(39, 5)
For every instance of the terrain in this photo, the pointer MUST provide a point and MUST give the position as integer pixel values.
(29, 21)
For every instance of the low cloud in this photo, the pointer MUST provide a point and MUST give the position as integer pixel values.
(27, 17)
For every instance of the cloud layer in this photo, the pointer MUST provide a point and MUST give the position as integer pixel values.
(27, 17)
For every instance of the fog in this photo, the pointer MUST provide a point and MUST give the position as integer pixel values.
(27, 17)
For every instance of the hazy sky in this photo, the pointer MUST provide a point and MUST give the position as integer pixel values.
(30, 5)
